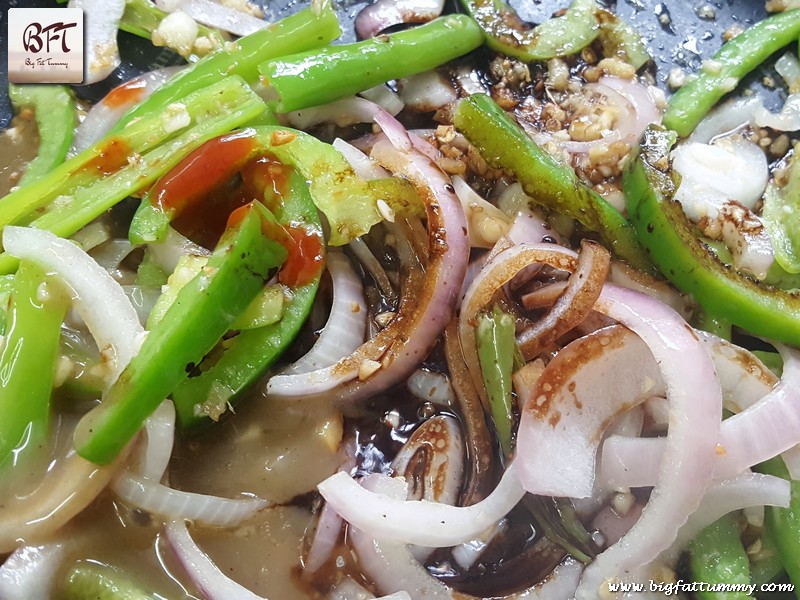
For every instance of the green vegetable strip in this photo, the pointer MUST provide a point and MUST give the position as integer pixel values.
(561, 36)
(781, 205)
(731, 63)
(333, 72)
(94, 581)
(54, 108)
(496, 342)
(233, 104)
(672, 242)
(71, 178)
(201, 314)
(142, 18)
(503, 144)
(309, 28)
(560, 524)
(717, 556)
(27, 364)
(253, 351)
(783, 524)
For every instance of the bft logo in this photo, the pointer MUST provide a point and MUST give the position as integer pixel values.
(45, 45)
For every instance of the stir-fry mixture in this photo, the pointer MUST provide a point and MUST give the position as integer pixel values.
(468, 308)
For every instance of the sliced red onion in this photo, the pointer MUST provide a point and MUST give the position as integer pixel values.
(788, 119)
(613, 525)
(68, 489)
(426, 92)
(589, 382)
(641, 99)
(206, 575)
(343, 113)
(573, 305)
(177, 504)
(623, 275)
(419, 521)
(99, 299)
(344, 331)
(363, 165)
(386, 13)
(431, 386)
(742, 439)
(497, 272)
(102, 19)
(726, 118)
(326, 537)
(31, 571)
(213, 14)
(105, 114)
(695, 408)
(742, 491)
(159, 438)
(527, 228)
(486, 222)
(371, 264)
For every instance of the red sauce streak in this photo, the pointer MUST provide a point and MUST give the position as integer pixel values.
(113, 155)
(126, 94)
(306, 257)
(203, 172)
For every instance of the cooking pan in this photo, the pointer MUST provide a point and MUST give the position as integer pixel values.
(679, 34)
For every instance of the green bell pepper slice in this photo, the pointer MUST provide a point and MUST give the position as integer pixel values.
(673, 243)
(503, 144)
(202, 313)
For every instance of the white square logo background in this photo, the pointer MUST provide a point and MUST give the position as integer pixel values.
(45, 45)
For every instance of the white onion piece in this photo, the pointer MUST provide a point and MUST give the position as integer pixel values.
(467, 554)
(628, 424)
(206, 575)
(744, 490)
(732, 168)
(347, 589)
(102, 19)
(363, 165)
(695, 407)
(105, 114)
(166, 254)
(527, 228)
(384, 97)
(160, 436)
(641, 98)
(589, 382)
(725, 118)
(371, 264)
(30, 572)
(385, 13)
(419, 521)
(213, 14)
(176, 504)
(99, 299)
(788, 67)
(326, 536)
(431, 386)
(426, 92)
(343, 113)
(143, 300)
(486, 223)
(623, 275)
(344, 330)
(111, 254)
(788, 119)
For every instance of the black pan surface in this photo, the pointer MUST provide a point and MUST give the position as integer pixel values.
(676, 33)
